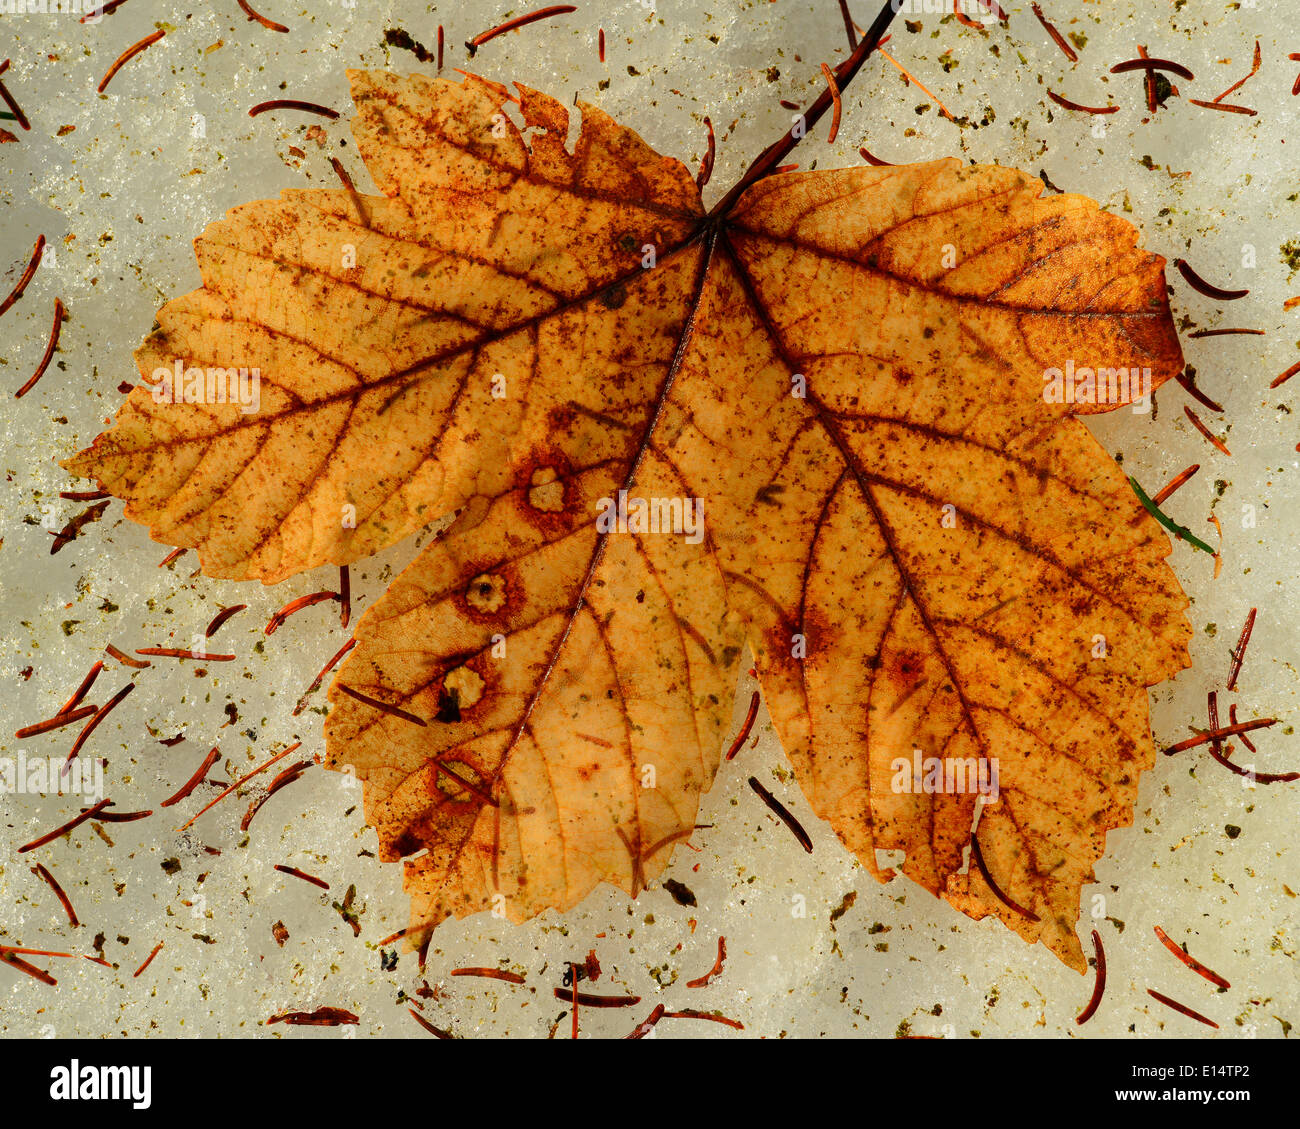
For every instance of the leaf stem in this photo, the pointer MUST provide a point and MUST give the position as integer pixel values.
(775, 153)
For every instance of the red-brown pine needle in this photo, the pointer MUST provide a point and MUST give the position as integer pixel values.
(1217, 735)
(429, 1027)
(242, 780)
(706, 165)
(1099, 985)
(716, 970)
(50, 347)
(1239, 651)
(81, 691)
(782, 813)
(129, 54)
(483, 37)
(1196, 423)
(1226, 107)
(672, 837)
(873, 160)
(148, 960)
(288, 775)
(490, 974)
(24, 966)
(642, 1029)
(103, 10)
(836, 104)
(1146, 63)
(302, 702)
(321, 1017)
(711, 1016)
(1250, 774)
(1179, 480)
(293, 104)
(467, 785)
(174, 555)
(345, 595)
(745, 727)
(1212, 712)
(63, 829)
(35, 952)
(122, 816)
(384, 706)
(294, 872)
(586, 999)
(1254, 70)
(1191, 962)
(911, 78)
(1232, 719)
(357, 202)
(49, 879)
(252, 15)
(1069, 105)
(194, 781)
(1197, 283)
(1182, 1008)
(220, 618)
(1149, 83)
(182, 653)
(58, 721)
(850, 28)
(963, 18)
(1284, 377)
(14, 108)
(1185, 382)
(285, 778)
(27, 275)
(125, 659)
(978, 856)
(93, 723)
(296, 606)
(1057, 37)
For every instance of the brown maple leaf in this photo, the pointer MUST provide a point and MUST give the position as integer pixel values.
(846, 369)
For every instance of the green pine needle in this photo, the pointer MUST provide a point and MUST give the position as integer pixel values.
(1177, 530)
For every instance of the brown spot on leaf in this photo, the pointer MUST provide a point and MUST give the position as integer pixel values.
(546, 492)
(486, 593)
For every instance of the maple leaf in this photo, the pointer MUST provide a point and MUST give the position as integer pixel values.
(845, 368)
